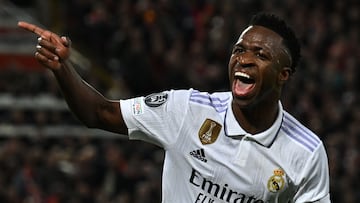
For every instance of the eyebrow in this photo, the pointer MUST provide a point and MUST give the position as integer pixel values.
(254, 48)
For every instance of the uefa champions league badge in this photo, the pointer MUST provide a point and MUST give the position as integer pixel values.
(156, 99)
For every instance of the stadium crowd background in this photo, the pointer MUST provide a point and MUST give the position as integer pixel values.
(143, 46)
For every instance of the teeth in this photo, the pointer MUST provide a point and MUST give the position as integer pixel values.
(241, 74)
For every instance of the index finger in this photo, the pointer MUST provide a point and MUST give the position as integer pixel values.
(31, 27)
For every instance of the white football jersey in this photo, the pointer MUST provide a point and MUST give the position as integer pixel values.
(210, 158)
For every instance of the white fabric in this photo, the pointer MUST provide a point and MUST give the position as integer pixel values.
(237, 166)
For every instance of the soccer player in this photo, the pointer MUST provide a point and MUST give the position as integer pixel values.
(239, 146)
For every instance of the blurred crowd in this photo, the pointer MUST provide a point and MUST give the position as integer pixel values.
(78, 170)
(143, 46)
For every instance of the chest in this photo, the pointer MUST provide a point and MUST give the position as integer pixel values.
(229, 168)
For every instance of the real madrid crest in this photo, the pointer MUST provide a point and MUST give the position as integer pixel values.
(276, 182)
(209, 131)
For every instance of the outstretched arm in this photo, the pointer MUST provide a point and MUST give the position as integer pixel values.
(93, 109)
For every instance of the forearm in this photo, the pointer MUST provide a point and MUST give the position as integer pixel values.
(83, 100)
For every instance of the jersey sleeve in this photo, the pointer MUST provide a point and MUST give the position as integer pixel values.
(156, 118)
(315, 179)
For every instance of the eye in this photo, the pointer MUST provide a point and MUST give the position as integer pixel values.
(238, 50)
(262, 56)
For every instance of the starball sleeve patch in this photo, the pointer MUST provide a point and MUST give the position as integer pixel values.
(156, 99)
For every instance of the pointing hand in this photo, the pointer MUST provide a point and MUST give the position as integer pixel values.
(51, 49)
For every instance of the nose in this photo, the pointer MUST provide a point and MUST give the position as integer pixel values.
(245, 60)
(240, 59)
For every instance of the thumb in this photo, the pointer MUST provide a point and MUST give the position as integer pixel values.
(63, 48)
(66, 41)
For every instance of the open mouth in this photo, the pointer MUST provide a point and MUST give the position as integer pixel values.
(243, 84)
(245, 78)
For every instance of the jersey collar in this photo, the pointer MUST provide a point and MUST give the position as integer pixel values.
(265, 138)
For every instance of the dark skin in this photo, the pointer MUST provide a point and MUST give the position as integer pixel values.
(259, 53)
(94, 110)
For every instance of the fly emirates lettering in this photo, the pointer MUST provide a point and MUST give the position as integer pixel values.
(213, 191)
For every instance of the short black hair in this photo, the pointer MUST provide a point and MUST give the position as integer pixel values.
(278, 25)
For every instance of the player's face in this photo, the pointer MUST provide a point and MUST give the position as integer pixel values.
(258, 67)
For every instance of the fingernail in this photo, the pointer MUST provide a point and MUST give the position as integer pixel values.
(38, 46)
(39, 39)
(57, 50)
(56, 58)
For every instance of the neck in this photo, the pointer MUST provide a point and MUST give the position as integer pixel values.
(256, 119)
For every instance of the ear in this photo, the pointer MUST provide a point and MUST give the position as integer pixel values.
(284, 75)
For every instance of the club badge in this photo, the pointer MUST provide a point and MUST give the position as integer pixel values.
(209, 131)
(276, 182)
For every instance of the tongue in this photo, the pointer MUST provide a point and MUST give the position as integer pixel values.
(242, 89)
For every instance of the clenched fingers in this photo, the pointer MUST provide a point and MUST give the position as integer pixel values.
(49, 62)
(60, 45)
(47, 51)
(46, 54)
(47, 45)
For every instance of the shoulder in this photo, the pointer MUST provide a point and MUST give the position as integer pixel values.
(300, 134)
(187, 98)
(303, 151)
(217, 100)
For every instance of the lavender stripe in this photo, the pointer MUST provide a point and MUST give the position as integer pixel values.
(304, 136)
(218, 107)
(209, 97)
(207, 102)
(298, 140)
(306, 132)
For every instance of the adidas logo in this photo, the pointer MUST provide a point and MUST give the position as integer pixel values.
(199, 154)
